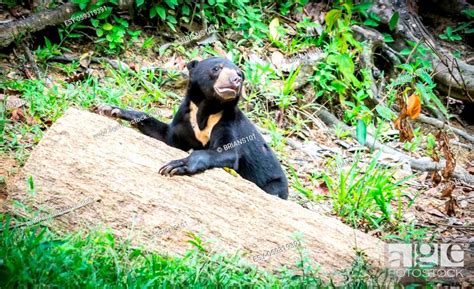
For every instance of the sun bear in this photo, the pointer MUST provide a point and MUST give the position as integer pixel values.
(210, 123)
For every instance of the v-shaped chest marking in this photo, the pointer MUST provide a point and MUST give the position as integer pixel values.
(204, 135)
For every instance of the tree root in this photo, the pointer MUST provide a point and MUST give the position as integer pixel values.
(38, 21)
(421, 164)
(455, 77)
(374, 40)
(439, 124)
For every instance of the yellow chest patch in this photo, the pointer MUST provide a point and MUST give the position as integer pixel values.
(204, 135)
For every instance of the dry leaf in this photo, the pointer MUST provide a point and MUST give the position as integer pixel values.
(443, 143)
(85, 59)
(448, 190)
(435, 178)
(277, 59)
(414, 106)
(450, 207)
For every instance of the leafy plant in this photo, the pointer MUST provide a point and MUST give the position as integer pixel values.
(449, 34)
(100, 260)
(416, 76)
(287, 95)
(363, 196)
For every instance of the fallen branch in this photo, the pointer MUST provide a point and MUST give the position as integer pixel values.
(417, 164)
(439, 124)
(31, 60)
(36, 22)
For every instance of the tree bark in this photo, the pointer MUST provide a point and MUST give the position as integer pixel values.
(455, 77)
(72, 164)
(36, 22)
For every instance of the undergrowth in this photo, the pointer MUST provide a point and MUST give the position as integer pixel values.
(34, 256)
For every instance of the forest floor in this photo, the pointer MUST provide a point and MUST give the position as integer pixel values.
(311, 152)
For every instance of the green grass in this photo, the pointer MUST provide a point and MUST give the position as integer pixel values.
(36, 257)
(366, 195)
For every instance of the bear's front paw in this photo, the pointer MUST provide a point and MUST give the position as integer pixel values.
(175, 168)
(107, 110)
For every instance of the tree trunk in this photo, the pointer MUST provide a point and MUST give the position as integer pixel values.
(72, 167)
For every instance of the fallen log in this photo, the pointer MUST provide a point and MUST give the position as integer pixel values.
(420, 164)
(36, 22)
(85, 157)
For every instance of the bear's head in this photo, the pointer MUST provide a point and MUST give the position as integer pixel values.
(215, 79)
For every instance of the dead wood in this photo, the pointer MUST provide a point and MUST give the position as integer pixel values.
(72, 163)
(416, 164)
(36, 22)
(439, 124)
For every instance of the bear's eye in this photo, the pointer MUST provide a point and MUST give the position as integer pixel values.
(216, 68)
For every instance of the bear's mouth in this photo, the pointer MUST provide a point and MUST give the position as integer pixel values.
(226, 93)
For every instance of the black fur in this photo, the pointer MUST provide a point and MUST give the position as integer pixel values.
(252, 159)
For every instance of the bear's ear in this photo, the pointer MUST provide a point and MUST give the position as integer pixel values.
(191, 65)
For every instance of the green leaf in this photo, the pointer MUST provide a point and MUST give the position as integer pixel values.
(421, 73)
(449, 30)
(152, 13)
(374, 16)
(385, 112)
(405, 51)
(171, 3)
(361, 131)
(100, 32)
(185, 10)
(392, 24)
(161, 12)
(469, 12)
(140, 2)
(387, 38)
(171, 19)
(47, 43)
(407, 67)
(105, 14)
(95, 22)
(74, 35)
(338, 86)
(469, 31)
(107, 27)
(371, 23)
(331, 17)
